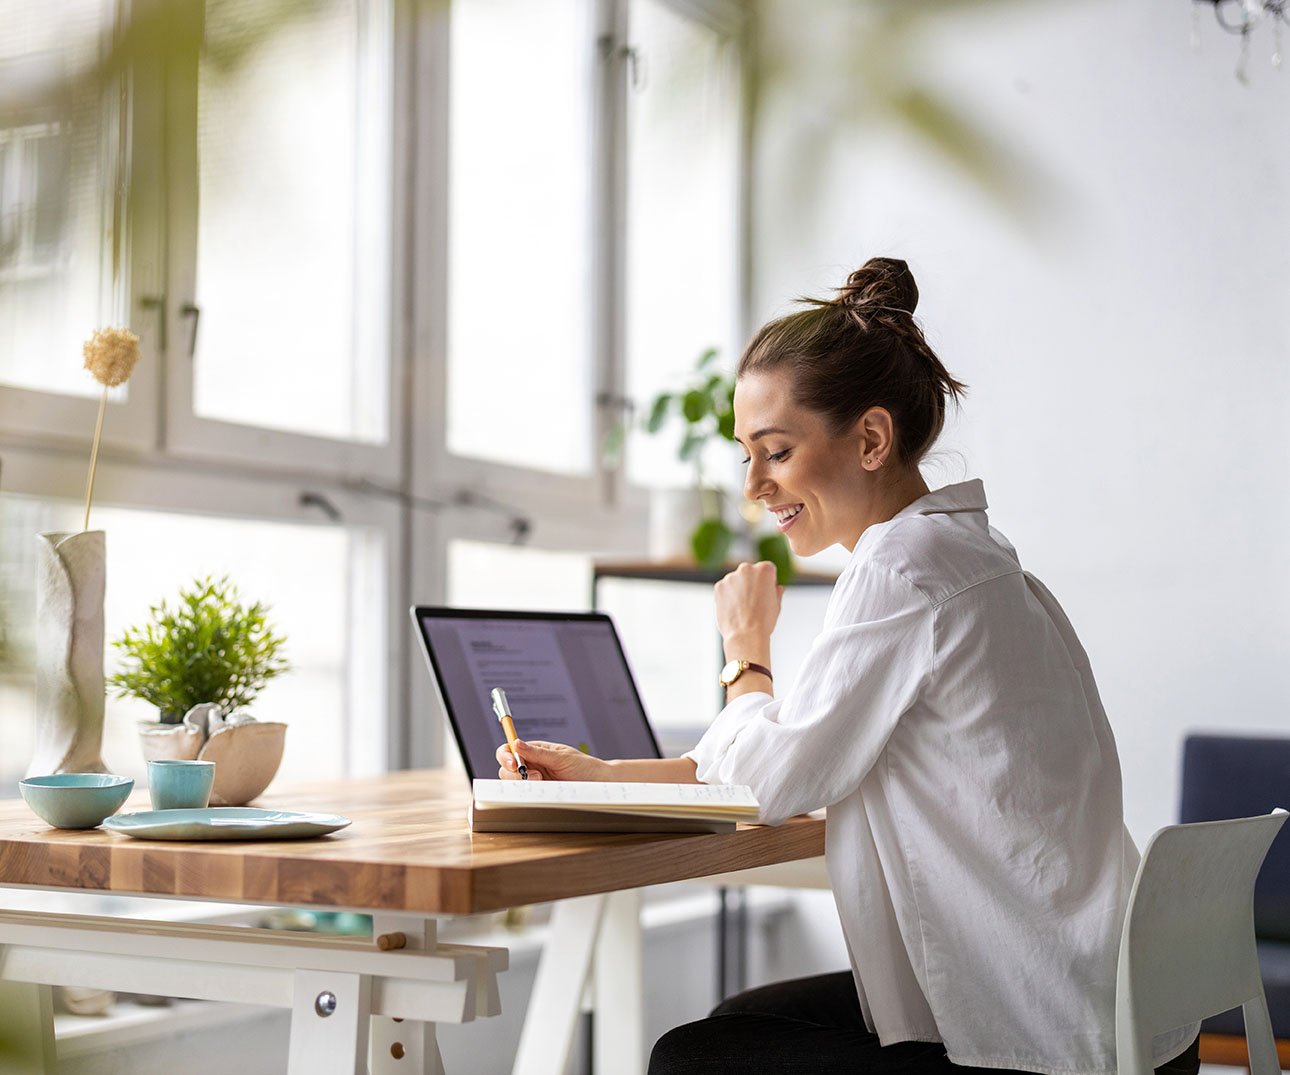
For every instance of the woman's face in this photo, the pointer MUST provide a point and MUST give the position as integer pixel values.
(810, 480)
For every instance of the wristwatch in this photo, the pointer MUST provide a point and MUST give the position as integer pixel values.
(734, 669)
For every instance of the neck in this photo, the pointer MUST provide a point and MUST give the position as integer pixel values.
(894, 491)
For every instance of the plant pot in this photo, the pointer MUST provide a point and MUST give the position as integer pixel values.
(70, 579)
(674, 514)
(246, 752)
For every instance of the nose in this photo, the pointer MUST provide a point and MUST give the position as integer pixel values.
(757, 483)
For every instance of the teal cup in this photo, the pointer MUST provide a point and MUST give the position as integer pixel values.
(180, 785)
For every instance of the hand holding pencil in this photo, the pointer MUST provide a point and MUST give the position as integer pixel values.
(541, 761)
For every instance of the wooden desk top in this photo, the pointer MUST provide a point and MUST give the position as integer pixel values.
(409, 849)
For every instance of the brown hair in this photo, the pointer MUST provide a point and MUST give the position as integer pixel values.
(859, 350)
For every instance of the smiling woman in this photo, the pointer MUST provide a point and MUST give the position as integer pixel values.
(946, 716)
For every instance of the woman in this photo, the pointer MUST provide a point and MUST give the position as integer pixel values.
(946, 716)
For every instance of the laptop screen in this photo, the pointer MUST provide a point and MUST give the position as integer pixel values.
(564, 675)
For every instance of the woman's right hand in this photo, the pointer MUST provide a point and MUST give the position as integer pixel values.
(550, 761)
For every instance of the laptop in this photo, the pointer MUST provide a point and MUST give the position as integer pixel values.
(564, 673)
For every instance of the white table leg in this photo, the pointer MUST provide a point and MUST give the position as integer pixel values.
(619, 989)
(399, 1045)
(552, 1015)
(330, 1021)
(26, 1028)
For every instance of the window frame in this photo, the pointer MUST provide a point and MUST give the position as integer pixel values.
(190, 434)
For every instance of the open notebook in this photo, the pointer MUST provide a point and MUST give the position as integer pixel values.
(595, 806)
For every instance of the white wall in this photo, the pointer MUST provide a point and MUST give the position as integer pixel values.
(1127, 345)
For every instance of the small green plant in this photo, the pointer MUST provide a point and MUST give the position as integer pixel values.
(209, 648)
(705, 409)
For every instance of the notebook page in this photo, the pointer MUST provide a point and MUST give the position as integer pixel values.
(609, 794)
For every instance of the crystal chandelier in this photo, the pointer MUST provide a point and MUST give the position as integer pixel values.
(1241, 17)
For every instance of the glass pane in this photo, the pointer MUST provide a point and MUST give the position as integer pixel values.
(293, 244)
(682, 203)
(676, 669)
(56, 179)
(334, 638)
(483, 575)
(519, 370)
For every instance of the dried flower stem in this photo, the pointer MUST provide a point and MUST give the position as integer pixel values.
(94, 457)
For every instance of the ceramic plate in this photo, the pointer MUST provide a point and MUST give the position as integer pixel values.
(224, 823)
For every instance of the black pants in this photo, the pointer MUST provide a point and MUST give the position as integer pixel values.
(811, 1025)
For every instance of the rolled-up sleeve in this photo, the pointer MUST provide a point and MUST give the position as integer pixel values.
(813, 747)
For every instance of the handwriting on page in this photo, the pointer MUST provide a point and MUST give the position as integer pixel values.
(579, 793)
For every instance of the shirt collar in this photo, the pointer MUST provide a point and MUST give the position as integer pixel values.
(965, 496)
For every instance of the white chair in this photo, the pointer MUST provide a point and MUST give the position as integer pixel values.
(1187, 951)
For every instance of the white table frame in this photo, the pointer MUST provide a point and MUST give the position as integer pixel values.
(386, 1002)
(347, 997)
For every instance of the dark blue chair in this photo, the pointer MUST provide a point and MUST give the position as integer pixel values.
(1239, 776)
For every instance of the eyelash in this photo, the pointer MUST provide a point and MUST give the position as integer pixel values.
(776, 457)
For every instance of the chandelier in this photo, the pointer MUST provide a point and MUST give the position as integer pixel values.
(1241, 17)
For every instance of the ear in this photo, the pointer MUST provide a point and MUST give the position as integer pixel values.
(876, 438)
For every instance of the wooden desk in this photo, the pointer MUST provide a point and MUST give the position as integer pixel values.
(407, 858)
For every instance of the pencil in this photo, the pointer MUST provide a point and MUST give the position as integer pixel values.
(503, 710)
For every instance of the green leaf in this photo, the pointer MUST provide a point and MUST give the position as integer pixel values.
(658, 412)
(726, 424)
(707, 358)
(710, 542)
(774, 547)
(695, 404)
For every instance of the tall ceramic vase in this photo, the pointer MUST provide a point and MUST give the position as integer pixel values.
(70, 577)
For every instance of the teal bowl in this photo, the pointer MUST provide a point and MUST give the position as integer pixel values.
(75, 800)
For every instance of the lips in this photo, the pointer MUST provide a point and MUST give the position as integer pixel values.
(785, 516)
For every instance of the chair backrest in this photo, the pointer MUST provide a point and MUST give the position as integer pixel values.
(1227, 776)
(1187, 950)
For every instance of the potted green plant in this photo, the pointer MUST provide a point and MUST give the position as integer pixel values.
(703, 408)
(201, 663)
(209, 648)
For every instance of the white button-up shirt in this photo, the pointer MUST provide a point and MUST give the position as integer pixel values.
(948, 718)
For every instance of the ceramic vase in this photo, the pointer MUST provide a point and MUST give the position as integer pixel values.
(673, 516)
(70, 579)
(246, 751)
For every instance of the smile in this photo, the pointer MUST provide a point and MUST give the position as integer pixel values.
(785, 516)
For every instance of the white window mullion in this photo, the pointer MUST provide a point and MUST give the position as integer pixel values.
(616, 67)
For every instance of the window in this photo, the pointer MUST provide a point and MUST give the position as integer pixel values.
(520, 290)
(293, 232)
(334, 629)
(683, 210)
(60, 217)
(389, 307)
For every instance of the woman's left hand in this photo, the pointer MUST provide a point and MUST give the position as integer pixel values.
(748, 602)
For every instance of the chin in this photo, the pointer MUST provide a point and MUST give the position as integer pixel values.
(802, 545)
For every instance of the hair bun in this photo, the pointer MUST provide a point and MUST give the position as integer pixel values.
(880, 283)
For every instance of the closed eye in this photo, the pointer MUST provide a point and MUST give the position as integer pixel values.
(776, 457)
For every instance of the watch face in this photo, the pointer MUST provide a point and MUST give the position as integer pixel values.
(730, 672)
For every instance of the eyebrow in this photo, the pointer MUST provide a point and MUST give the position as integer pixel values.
(764, 433)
